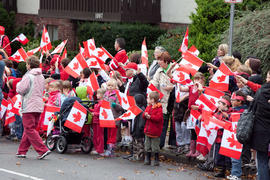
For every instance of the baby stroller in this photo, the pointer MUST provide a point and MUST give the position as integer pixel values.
(62, 136)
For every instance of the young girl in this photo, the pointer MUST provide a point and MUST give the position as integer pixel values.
(55, 90)
(84, 77)
(98, 137)
(153, 116)
(67, 89)
(110, 95)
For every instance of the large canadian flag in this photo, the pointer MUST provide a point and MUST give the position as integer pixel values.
(22, 39)
(193, 50)
(125, 101)
(92, 84)
(151, 88)
(89, 47)
(95, 62)
(64, 55)
(180, 75)
(19, 56)
(102, 54)
(45, 42)
(10, 116)
(76, 117)
(213, 95)
(220, 80)
(106, 118)
(75, 67)
(229, 145)
(204, 103)
(144, 54)
(131, 113)
(49, 113)
(3, 107)
(59, 48)
(192, 62)
(113, 64)
(17, 104)
(33, 51)
(184, 46)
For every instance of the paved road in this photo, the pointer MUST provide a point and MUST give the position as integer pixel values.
(77, 166)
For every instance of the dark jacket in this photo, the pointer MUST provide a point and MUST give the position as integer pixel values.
(256, 78)
(179, 110)
(139, 85)
(153, 126)
(261, 131)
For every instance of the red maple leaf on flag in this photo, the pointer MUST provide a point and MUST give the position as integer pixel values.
(233, 142)
(77, 117)
(104, 114)
(212, 100)
(127, 114)
(100, 53)
(181, 76)
(221, 78)
(93, 63)
(92, 47)
(125, 101)
(19, 105)
(17, 57)
(75, 66)
(46, 40)
(146, 55)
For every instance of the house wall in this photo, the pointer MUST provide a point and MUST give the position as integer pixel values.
(177, 11)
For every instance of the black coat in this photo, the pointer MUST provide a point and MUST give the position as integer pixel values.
(139, 85)
(261, 131)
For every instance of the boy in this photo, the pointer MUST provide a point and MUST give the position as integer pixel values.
(153, 116)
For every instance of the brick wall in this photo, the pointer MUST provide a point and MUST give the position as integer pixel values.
(66, 27)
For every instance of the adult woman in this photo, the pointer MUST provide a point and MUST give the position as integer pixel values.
(154, 66)
(162, 81)
(255, 65)
(31, 89)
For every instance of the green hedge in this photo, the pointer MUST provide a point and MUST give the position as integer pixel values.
(105, 34)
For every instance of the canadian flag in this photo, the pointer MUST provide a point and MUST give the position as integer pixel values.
(213, 94)
(192, 62)
(22, 39)
(17, 104)
(76, 117)
(59, 48)
(89, 47)
(193, 119)
(208, 133)
(64, 55)
(106, 118)
(3, 108)
(184, 47)
(92, 84)
(179, 94)
(113, 64)
(220, 80)
(131, 113)
(33, 51)
(104, 75)
(95, 62)
(180, 75)
(125, 101)
(144, 54)
(102, 54)
(75, 67)
(193, 50)
(10, 116)
(45, 42)
(49, 113)
(204, 103)
(82, 51)
(19, 56)
(229, 145)
(151, 88)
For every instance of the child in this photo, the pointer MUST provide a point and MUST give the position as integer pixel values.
(153, 116)
(238, 100)
(110, 95)
(67, 89)
(55, 90)
(98, 136)
(84, 77)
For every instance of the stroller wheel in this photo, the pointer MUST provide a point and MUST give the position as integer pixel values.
(86, 145)
(61, 145)
(51, 142)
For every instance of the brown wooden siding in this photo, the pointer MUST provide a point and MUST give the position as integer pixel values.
(147, 11)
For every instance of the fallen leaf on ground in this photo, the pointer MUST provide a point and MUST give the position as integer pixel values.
(121, 178)
(138, 172)
(60, 171)
(18, 163)
(152, 172)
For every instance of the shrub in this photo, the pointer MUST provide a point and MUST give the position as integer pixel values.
(106, 33)
(171, 41)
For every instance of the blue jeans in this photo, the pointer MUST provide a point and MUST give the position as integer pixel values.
(18, 126)
(263, 169)
(236, 167)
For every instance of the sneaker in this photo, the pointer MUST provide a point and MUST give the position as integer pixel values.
(42, 156)
(94, 152)
(20, 155)
(232, 177)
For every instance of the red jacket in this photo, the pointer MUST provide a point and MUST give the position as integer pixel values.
(121, 56)
(253, 86)
(153, 126)
(4, 41)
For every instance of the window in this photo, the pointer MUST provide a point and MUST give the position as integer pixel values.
(53, 32)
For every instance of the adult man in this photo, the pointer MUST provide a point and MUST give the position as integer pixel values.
(4, 41)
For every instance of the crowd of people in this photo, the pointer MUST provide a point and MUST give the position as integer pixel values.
(147, 133)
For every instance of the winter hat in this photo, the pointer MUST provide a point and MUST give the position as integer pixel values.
(2, 30)
(131, 65)
(254, 64)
